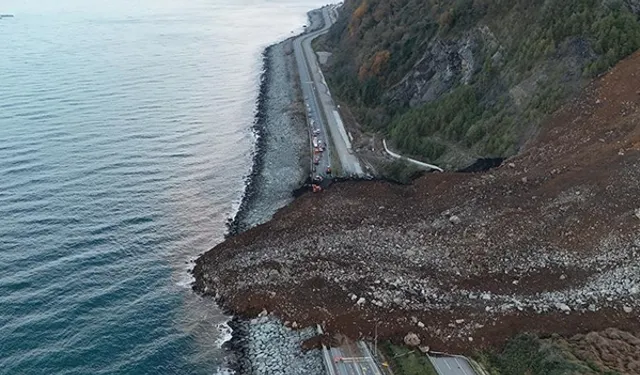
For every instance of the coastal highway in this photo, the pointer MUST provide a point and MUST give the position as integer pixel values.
(320, 103)
(312, 107)
(451, 365)
(351, 359)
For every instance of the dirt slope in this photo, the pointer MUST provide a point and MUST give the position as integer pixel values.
(547, 243)
(610, 349)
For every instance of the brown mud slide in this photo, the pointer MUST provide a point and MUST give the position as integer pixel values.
(548, 243)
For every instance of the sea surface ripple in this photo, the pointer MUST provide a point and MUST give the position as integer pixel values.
(124, 145)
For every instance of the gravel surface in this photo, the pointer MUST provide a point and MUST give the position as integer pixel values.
(281, 163)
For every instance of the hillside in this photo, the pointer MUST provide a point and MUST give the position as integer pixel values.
(609, 352)
(549, 242)
(449, 81)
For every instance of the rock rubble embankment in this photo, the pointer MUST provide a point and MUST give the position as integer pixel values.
(281, 161)
(264, 346)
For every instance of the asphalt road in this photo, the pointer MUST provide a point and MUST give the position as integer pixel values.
(452, 366)
(319, 102)
(352, 359)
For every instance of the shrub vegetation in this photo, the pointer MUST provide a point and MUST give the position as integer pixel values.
(547, 50)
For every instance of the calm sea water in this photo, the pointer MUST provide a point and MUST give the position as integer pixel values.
(124, 142)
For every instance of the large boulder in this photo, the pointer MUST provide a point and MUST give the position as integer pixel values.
(411, 339)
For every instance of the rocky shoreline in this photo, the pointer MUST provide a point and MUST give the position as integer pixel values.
(264, 346)
(280, 167)
(281, 156)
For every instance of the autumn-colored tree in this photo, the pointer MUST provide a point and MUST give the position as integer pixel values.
(356, 18)
(380, 61)
(363, 72)
(445, 19)
(360, 11)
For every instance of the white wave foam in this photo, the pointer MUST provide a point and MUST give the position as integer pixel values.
(186, 279)
(225, 333)
(224, 371)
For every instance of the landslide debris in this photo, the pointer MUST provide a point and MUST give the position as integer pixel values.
(549, 242)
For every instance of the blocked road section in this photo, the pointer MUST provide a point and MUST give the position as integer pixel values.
(452, 365)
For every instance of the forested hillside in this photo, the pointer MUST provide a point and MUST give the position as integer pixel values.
(478, 76)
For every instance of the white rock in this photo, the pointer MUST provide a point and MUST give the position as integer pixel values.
(420, 324)
(563, 307)
(455, 220)
(411, 339)
(638, 213)
(486, 296)
(361, 301)
(263, 313)
(633, 290)
(294, 325)
(470, 339)
(627, 309)
(459, 321)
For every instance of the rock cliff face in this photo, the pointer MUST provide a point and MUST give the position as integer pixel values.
(445, 64)
(549, 242)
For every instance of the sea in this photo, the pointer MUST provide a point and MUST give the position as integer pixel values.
(125, 144)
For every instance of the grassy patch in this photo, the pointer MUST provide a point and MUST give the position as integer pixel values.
(400, 170)
(528, 354)
(406, 361)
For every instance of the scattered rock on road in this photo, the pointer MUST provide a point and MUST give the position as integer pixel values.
(411, 339)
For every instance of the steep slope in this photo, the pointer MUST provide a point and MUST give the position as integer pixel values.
(549, 242)
(609, 352)
(475, 75)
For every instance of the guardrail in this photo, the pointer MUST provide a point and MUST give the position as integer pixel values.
(398, 156)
